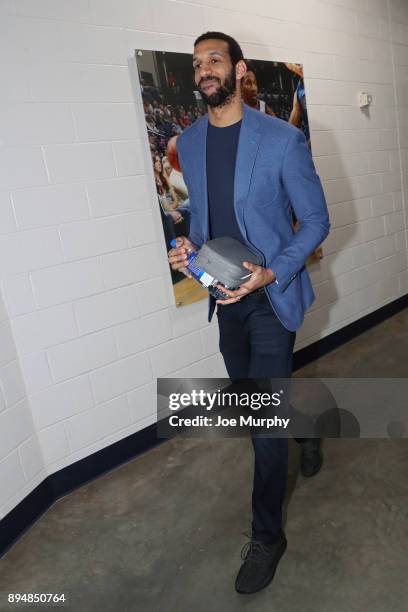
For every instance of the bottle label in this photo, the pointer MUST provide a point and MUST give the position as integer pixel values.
(206, 279)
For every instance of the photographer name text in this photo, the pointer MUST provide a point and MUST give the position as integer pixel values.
(243, 421)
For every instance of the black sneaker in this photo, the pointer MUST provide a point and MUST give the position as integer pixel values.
(260, 563)
(310, 457)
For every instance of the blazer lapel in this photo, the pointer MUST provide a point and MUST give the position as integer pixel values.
(200, 156)
(248, 145)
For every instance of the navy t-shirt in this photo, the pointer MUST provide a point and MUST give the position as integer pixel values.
(222, 144)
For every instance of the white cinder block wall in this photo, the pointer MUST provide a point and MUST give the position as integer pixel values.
(82, 260)
(22, 465)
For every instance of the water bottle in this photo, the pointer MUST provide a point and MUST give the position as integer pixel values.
(205, 280)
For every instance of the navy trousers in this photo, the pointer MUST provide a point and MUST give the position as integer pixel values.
(255, 344)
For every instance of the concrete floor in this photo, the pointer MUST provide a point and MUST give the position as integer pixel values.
(164, 531)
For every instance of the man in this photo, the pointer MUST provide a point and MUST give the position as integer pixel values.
(249, 90)
(244, 172)
(299, 112)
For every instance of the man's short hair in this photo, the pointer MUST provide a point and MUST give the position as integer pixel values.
(235, 51)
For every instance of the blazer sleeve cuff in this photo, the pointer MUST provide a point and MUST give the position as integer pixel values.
(283, 276)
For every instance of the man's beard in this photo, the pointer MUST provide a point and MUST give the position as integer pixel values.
(223, 95)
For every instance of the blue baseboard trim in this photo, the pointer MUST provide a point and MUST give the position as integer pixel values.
(345, 334)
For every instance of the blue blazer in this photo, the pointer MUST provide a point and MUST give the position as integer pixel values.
(274, 172)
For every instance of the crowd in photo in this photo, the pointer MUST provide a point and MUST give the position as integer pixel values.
(165, 122)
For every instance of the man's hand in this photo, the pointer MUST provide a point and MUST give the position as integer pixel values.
(178, 256)
(259, 278)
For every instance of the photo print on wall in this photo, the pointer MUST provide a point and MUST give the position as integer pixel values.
(171, 103)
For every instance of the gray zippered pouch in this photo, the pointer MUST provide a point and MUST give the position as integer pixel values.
(222, 258)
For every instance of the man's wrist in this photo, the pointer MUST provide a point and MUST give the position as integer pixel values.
(270, 276)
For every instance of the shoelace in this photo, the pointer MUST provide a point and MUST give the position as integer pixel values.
(254, 550)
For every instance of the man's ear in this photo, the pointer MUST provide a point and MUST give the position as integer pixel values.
(240, 69)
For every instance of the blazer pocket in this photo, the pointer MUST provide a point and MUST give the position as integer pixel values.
(265, 186)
